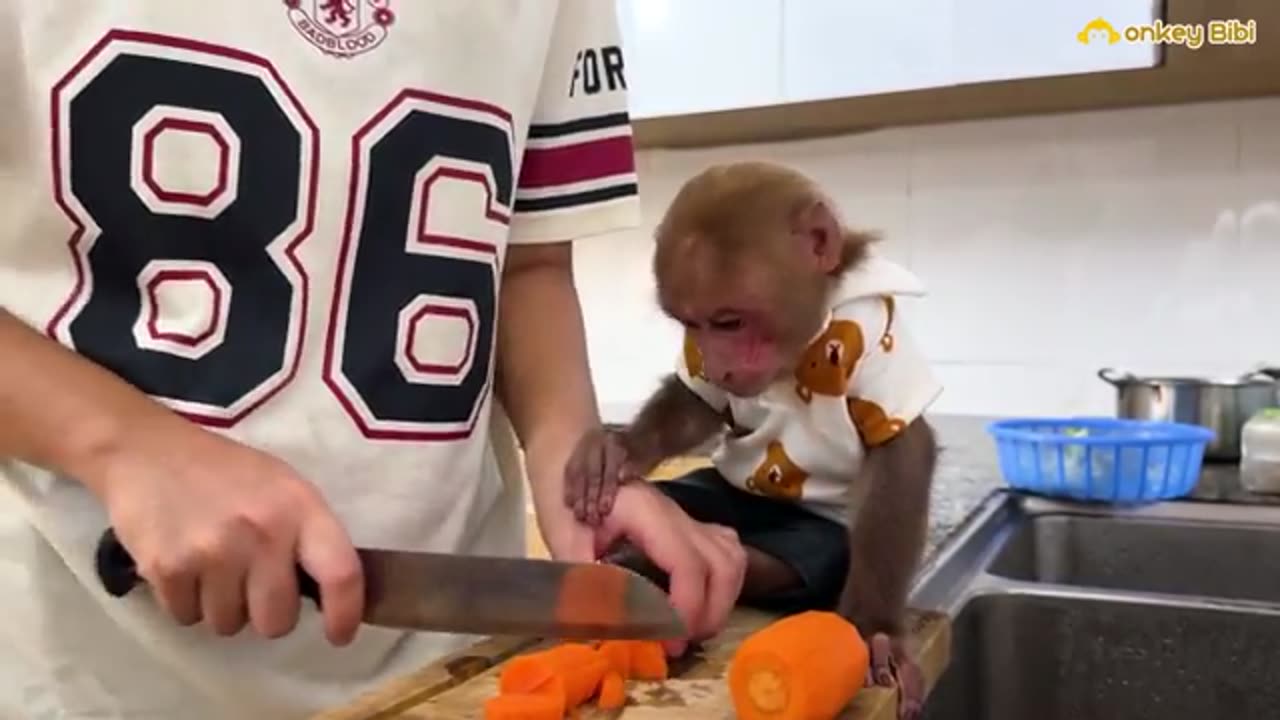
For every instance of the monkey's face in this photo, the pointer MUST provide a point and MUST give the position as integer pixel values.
(739, 352)
(745, 258)
(750, 335)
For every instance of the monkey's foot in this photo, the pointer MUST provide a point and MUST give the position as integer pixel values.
(893, 666)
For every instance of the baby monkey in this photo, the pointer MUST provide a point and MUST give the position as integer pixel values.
(795, 364)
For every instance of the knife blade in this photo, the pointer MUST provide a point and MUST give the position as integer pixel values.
(480, 595)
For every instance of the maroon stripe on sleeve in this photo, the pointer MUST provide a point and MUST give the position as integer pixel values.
(578, 162)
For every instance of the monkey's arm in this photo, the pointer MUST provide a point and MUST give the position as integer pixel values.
(673, 420)
(889, 392)
(888, 524)
(684, 411)
(886, 540)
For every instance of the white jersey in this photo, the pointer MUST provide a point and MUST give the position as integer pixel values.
(861, 380)
(287, 220)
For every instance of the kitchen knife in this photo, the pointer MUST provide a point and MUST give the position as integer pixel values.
(477, 594)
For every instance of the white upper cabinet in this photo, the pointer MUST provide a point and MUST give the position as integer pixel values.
(1014, 39)
(689, 56)
(841, 48)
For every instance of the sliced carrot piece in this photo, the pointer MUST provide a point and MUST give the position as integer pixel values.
(524, 706)
(648, 660)
(613, 691)
(573, 669)
(806, 665)
(618, 654)
(526, 674)
(533, 674)
(581, 668)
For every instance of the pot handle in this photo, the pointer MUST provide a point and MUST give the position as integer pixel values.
(1115, 377)
(1267, 370)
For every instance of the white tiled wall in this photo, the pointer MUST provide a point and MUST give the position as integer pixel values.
(1147, 239)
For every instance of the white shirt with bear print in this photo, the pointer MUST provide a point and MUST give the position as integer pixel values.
(862, 379)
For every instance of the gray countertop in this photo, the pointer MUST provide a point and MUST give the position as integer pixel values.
(968, 473)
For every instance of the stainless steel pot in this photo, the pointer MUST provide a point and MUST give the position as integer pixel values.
(1222, 405)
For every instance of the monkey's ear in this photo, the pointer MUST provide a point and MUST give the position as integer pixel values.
(820, 232)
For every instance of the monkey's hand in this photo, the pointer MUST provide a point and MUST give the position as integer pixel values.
(886, 540)
(599, 465)
(673, 420)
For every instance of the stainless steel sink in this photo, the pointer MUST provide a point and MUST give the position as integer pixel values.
(1078, 611)
(1186, 549)
(1050, 656)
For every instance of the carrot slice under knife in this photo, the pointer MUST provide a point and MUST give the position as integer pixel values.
(636, 659)
(570, 673)
(648, 660)
(526, 674)
(618, 654)
(578, 668)
(613, 692)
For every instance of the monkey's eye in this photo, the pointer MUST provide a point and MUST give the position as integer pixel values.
(728, 324)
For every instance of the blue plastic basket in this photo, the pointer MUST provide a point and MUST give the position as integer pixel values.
(1100, 459)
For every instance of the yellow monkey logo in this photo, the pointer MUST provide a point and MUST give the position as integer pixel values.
(1098, 30)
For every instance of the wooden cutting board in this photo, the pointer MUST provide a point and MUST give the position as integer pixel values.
(456, 687)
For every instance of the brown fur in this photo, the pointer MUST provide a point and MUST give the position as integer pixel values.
(887, 536)
(672, 421)
(718, 235)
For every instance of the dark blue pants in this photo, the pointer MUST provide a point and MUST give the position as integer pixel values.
(816, 548)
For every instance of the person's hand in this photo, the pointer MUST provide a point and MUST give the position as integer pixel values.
(217, 529)
(705, 563)
(567, 539)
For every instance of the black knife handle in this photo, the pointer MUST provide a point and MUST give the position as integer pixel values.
(119, 574)
(630, 557)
